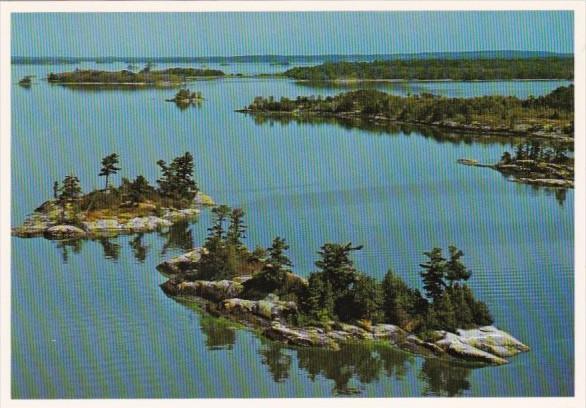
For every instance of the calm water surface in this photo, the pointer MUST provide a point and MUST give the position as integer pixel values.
(89, 320)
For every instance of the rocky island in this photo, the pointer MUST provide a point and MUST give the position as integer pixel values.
(169, 77)
(184, 97)
(134, 206)
(549, 117)
(533, 163)
(337, 304)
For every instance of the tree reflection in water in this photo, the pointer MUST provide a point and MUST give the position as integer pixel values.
(351, 368)
(179, 236)
(139, 250)
(444, 378)
(274, 357)
(111, 249)
(219, 334)
(65, 246)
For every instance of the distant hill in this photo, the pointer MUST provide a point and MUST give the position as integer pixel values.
(283, 59)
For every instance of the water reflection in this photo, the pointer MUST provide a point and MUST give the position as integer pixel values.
(139, 249)
(219, 334)
(66, 246)
(387, 128)
(443, 379)
(274, 356)
(111, 248)
(178, 236)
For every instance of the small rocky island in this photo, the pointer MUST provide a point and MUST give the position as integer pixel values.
(337, 304)
(184, 97)
(134, 206)
(547, 117)
(533, 163)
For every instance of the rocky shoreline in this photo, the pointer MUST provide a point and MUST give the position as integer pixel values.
(45, 222)
(485, 345)
(520, 130)
(531, 172)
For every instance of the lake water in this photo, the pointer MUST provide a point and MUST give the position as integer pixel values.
(89, 320)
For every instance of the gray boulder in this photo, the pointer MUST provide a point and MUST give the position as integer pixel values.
(64, 231)
(182, 263)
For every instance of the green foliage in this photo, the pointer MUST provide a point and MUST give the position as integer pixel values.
(456, 69)
(317, 302)
(225, 256)
(434, 273)
(364, 300)
(455, 269)
(109, 166)
(177, 182)
(493, 110)
(401, 304)
(70, 188)
(337, 267)
(273, 277)
(145, 76)
(140, 189)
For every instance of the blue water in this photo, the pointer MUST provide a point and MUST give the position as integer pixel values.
(89, 321)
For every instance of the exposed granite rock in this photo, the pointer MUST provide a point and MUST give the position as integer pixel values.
(492, 340)
(181, 264)
(212, 290)
(50, 214)
(485, 345)
(64, 231)
(306, 337)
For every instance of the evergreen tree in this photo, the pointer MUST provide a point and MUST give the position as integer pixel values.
(56, 190)
(139, 188)
(363, 301)
(177, 181)
(70, 188)
(237, 230)
(109, 166)
(337, 267)
(434, 274)
(455, 269)
(401, 304)
(318, 299)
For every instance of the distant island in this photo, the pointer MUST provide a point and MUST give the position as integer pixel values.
(300, 58)
(145, 77)
(26, 81)
(184, 98)
(533, 163)
(337, 303)
(550, 116)
(134, 206)
(439, 69)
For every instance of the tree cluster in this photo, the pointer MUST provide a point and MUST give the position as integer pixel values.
(337, 291)
(427, 108)
(435, 69)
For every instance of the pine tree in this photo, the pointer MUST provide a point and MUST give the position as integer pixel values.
(455, 269)
(434, 274)
(337, 267)
(237, 230)
(109, 166)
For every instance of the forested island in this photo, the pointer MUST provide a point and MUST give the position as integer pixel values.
(440, 69)
(184, 98)
(534, 163)
(549, 116)
(145, 77)
(337, 304)
(133, 206)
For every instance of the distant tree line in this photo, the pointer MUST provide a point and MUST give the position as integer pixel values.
(435, 69)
